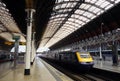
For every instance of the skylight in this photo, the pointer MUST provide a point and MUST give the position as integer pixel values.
(70, 15)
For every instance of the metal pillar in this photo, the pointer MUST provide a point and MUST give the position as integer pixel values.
(28, 46)
(34, 52)
(100, 49)
(86, 48)
(16, 45)
(33, 49)
(115, 53)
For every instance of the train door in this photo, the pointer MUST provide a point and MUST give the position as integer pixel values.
(60, 57)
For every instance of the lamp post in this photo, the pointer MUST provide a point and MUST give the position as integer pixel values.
(100, 48)
(16, 45)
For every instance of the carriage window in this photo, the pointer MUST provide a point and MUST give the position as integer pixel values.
(85, 55)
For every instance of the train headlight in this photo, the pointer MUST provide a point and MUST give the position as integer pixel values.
(87, 62)
(83, 63)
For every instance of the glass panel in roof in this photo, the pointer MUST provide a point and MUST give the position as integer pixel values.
(57, 15)
(96, 10)
(103, 5)
(89, 20)
(90, 15)
(91, 1)
(82, 18)
(69, 22)
(58, 1)
(63, 14)
(87, 6)
(80, 22)
(99, 2)
(71, 19)
(57, 7)
(100, 12)
(73, 4)
(62, 35)
(92, 8)
(116, 1)
(66, 0)
(79, 11)
(69, 4)
(83, 5)
(75, 16)
(67, 10)
(67, 29)
(64, 5)
(109, 6)
(59, 19)
(68, 26)
(60, 11)
(87, 14)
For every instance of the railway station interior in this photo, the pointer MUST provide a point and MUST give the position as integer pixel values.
(43, 40)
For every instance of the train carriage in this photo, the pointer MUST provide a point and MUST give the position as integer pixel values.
(78, 60)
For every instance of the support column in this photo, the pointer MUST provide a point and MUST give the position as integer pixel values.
(31, 58)
(33, 48)
(86, 48)
(16, 45)
(100, 51)
(28, 46)
(34, 52)
(115, 53)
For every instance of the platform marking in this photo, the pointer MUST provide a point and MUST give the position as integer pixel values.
(57, 74)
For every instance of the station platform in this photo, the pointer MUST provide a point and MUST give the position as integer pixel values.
(106, 65)
(40, 71)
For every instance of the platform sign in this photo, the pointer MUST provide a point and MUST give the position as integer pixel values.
(8, 43)
(22, 43)
(16, 37)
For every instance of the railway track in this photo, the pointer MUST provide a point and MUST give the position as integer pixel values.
(85, 76)
(78, 76)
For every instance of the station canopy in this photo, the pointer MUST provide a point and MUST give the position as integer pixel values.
(8, 26)
(69, 15)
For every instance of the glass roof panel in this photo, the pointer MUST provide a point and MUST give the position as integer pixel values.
(99, 2)
(109, 6)
(116, 1)
(92, 8)
(103, 5)
(69, 4)
(83, 5)
(96, 10)
(66, 18)
(92, 1)
(87, 6)
(63, 5)
(79, 11)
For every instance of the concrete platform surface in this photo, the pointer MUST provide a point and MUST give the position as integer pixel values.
(40, 71)
(106, 65)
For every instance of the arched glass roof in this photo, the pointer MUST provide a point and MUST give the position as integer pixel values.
(8, 26)
(70, 15)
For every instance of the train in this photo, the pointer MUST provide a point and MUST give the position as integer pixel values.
(6, 56)
(76, 60)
